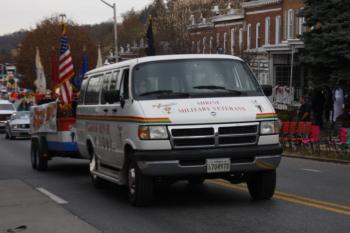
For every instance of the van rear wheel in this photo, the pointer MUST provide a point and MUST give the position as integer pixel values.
(140, 187)
(262, 184)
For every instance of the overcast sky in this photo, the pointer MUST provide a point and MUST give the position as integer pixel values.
(24, 14)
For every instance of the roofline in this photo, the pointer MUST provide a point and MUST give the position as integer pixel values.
(259, 3)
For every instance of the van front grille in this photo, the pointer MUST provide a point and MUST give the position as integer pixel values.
(238, 130)
(192, 132)
(237, 140)
(214, 135)
(4, 117)
(194, 142)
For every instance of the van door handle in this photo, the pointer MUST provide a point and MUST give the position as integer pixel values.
(105, 110)
(114, 110)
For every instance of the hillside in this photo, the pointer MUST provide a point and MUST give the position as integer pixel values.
(9, 42)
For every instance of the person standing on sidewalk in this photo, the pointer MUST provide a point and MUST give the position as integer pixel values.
(317, 105)
(338, 102)
(304, 112)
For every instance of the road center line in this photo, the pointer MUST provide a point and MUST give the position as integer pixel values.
(310, 170)
(52, 196)
(328, 206)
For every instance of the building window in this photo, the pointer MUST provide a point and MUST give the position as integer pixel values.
(278, 30)
(267, 30)
(204, 44)
(240, 39)
(257, 35)
(290, 24)
(232, 41)
(199, 46)
(249, 37)
(225, 40)
(193, 47)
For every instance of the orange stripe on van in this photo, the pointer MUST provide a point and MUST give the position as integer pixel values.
(125, 119)
(266, 115)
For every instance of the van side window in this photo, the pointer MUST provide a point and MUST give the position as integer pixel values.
(126, 84)
(93, 90)
(82, 91)
(105, 84)
(114, 81)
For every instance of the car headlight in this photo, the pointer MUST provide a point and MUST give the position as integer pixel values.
(14, 126)
(152, 132)
(269, 127)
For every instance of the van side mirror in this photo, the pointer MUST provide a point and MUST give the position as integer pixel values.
(112, 96)
(267, 89)
(122, 101)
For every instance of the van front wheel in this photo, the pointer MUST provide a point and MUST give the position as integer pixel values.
(262, 184)
(140, 187)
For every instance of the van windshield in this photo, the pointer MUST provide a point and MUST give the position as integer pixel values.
(193, 78)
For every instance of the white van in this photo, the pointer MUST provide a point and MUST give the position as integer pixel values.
(191, 117)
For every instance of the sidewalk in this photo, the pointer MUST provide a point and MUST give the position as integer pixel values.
(28, 210)
(316, 158)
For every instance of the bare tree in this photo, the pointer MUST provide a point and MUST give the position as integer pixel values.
(46, 35)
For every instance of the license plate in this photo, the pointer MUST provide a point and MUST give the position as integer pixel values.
(218, 165)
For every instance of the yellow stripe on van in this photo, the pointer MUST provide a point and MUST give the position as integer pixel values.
(266, 115)
(125, 119)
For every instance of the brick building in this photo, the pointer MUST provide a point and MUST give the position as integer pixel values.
(263, 32)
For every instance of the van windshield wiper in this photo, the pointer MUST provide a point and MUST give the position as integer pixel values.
(213, 87)
(167, 93)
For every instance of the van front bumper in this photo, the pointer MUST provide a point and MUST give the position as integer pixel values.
(193, 161)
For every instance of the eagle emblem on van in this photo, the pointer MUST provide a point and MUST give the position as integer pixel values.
(258, 106)
(165, 108)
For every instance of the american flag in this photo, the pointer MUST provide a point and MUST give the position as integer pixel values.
(66, 69)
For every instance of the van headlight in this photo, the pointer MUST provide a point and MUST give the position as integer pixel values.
(269, 127)
(152, 132)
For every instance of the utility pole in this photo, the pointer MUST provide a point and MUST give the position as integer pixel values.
(113, 6)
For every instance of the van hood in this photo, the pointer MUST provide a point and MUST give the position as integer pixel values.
(209, 110)
(7, 112)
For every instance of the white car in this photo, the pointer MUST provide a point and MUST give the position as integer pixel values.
(18, 125)
(6, 110)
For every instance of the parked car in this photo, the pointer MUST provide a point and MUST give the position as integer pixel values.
(191, 117)
(18, 125)
(6, 110)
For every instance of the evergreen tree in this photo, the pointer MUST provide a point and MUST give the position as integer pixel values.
(327, 40)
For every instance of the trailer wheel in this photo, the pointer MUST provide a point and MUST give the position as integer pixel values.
(140, 187)
(262, 184)
(34, 154)
(6, 134)
(41, 156)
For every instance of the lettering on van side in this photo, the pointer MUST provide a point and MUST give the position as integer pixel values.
(102, 134)
(225, 108)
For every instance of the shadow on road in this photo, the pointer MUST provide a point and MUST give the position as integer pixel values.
(182, 194)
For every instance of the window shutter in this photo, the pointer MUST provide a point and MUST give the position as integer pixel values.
(295, 23)
(285, 25)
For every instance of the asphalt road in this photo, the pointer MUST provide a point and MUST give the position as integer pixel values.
(311, 197)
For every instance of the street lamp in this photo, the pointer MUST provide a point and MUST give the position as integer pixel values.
(113, 6)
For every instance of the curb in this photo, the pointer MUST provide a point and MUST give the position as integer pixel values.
(339, 161)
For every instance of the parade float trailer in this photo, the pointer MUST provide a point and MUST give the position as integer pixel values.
(52, 135)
